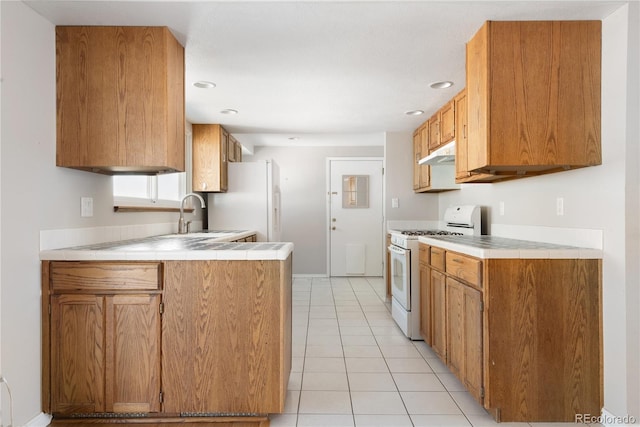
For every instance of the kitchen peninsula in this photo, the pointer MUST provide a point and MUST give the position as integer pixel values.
(167, 329)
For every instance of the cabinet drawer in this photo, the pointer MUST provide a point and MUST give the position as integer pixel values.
(79, 275)
(437, 258)
(465, 268)
(424, 254)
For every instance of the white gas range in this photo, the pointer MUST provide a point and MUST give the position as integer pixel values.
(405, 271)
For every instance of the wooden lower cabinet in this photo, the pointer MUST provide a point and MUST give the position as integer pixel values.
(204, 342)
(105, 353)
(438, 314)
(226, 336)
(523, 335)
(464, 335)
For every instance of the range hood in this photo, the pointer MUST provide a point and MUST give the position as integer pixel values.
(445, 155)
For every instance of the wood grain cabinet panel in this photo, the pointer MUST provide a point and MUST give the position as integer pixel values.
(464, 336)
(464, 267)
(417, 155)
(77, 354)
(527, 345)
(133, 353)
(448, 122)
(210, 144)
(227, 336)
(439, 314)
(434, 131)
(83, 275)
(105, 353)
(544, 337)
(120, 99)
(533, 97)
(425, 294)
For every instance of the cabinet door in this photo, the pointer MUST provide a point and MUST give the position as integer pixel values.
(425, 170)
(434, 131)
(133, 353)
(425, 304)
(464, 335)
(209, 170)
(455, 327)
(447, 122)
(438, 314)
(224, 167)
(416, 157)
(77, 354)
(461, 135)
(473, 342)
(477, 96)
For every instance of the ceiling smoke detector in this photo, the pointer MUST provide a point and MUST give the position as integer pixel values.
(229, 111)
(414, 112)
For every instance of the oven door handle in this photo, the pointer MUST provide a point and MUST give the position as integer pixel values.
(397, 250)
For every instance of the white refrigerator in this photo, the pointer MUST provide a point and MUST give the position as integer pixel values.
(252, 200)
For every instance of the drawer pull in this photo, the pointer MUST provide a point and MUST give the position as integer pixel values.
(458, 260)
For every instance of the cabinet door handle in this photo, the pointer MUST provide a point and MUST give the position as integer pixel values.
(464, 131)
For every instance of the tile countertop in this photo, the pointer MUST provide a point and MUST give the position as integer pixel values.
(207, 245)
(500, 247)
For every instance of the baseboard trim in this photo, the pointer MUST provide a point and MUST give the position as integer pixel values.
(40, 420)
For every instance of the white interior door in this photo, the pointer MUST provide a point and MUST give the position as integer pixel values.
(355, 217)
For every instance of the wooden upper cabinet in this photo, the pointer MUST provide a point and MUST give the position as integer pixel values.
(120, 99)
(417, 147)
(210, 158)
(447, 122)
(434, 131)
(533, 96)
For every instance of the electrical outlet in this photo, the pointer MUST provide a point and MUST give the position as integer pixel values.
(394, 202)
(86, 206)
(560, 206)
(501, 208)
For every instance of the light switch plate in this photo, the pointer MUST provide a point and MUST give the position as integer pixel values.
(86, 206)
(394, 202)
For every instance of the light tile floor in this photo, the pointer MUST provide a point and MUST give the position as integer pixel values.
(352, 366)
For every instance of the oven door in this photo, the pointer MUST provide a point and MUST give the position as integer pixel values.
(401, 276)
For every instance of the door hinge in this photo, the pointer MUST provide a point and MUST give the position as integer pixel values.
(382, 171)
(161, 308)
(482, 392)
(161, 397)
(481, 306)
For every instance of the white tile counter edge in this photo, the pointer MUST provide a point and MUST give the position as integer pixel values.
(561, 253)
(178, 255)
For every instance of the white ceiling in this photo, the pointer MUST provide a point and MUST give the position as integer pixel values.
(329, 73)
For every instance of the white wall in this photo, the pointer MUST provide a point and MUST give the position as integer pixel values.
(36, 195)
(303, 199)
(398, 182)
(603, 197)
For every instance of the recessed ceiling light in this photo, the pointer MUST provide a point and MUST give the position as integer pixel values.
(203, 84)
(414, 112)
(441, 85)
(229, 111)
(294, 138)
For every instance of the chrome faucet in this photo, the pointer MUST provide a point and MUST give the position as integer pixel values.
(182, 227)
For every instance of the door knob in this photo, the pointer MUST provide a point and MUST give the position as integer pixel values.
(333, 228)
(333, 220)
